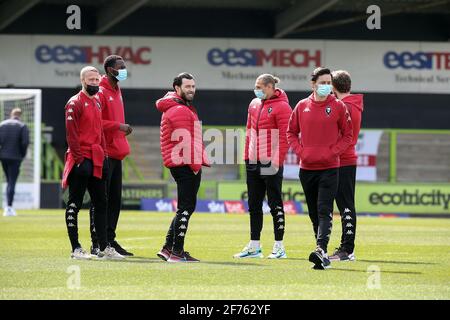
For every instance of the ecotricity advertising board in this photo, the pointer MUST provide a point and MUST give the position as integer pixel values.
(226, 64)
(369, 198)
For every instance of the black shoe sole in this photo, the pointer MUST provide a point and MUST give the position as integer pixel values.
(185, 261)
(314, 267)
(318, 263)
(127, 254)
(123, 252)
(161, 256)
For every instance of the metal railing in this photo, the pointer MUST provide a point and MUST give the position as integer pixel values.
(52, 166)
(393, 146)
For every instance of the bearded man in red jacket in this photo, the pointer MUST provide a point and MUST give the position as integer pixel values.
(184, 154)
(116, 130)
(345, 198)
(320, 130)
(265, 149)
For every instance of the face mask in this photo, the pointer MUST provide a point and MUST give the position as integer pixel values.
(123, 74)
(91, 90)
(259, 94)
(323, 89)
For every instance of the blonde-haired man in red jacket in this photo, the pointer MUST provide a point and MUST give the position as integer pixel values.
(85, 166)
(265, 149)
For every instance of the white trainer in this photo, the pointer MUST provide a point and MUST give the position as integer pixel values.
(110, 254)
(80, 254)
(278, 252)
(249, 252)
(9, 212)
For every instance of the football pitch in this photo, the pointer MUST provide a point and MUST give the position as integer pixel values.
(402, 258)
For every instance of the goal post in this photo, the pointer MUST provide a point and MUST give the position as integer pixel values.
(28, 187)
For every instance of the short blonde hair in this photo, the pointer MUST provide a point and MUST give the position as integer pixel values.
(86, 70)
(16, 112)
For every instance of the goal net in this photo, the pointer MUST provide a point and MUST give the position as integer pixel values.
(27, 192)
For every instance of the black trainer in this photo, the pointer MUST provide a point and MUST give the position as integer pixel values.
(190, 258)
(121, 250)
(342, 255)
(320, 259)
(95, 249)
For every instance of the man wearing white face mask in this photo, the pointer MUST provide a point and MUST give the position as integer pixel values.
(116, 130)
(320, 130)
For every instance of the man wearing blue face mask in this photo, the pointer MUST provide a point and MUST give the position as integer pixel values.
(116, 130)
(266, 146)
(320, 130)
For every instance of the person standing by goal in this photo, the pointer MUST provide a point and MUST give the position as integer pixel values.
(14, 140)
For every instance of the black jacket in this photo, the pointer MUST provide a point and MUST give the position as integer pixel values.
(14, 139)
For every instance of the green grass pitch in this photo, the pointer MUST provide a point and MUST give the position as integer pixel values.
(412, 257)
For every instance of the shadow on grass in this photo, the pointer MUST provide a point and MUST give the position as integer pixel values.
(381, 271)
(138, 260)
(232, 263)
(158, 260)
(298, 259)
(374, 261)
(396, 262)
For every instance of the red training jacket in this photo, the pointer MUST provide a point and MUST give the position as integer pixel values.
(113, 115)
(84, 134)
(181, 134)
(319, 132)
(263, 116)
(354, 104)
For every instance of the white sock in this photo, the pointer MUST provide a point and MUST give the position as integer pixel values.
(279, 243)
(255, 244)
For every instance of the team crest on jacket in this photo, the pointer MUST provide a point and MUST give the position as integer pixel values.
(98, 105)
(328, 110)
(270, 110)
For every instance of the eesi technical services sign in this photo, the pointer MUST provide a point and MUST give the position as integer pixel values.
(226, 64)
